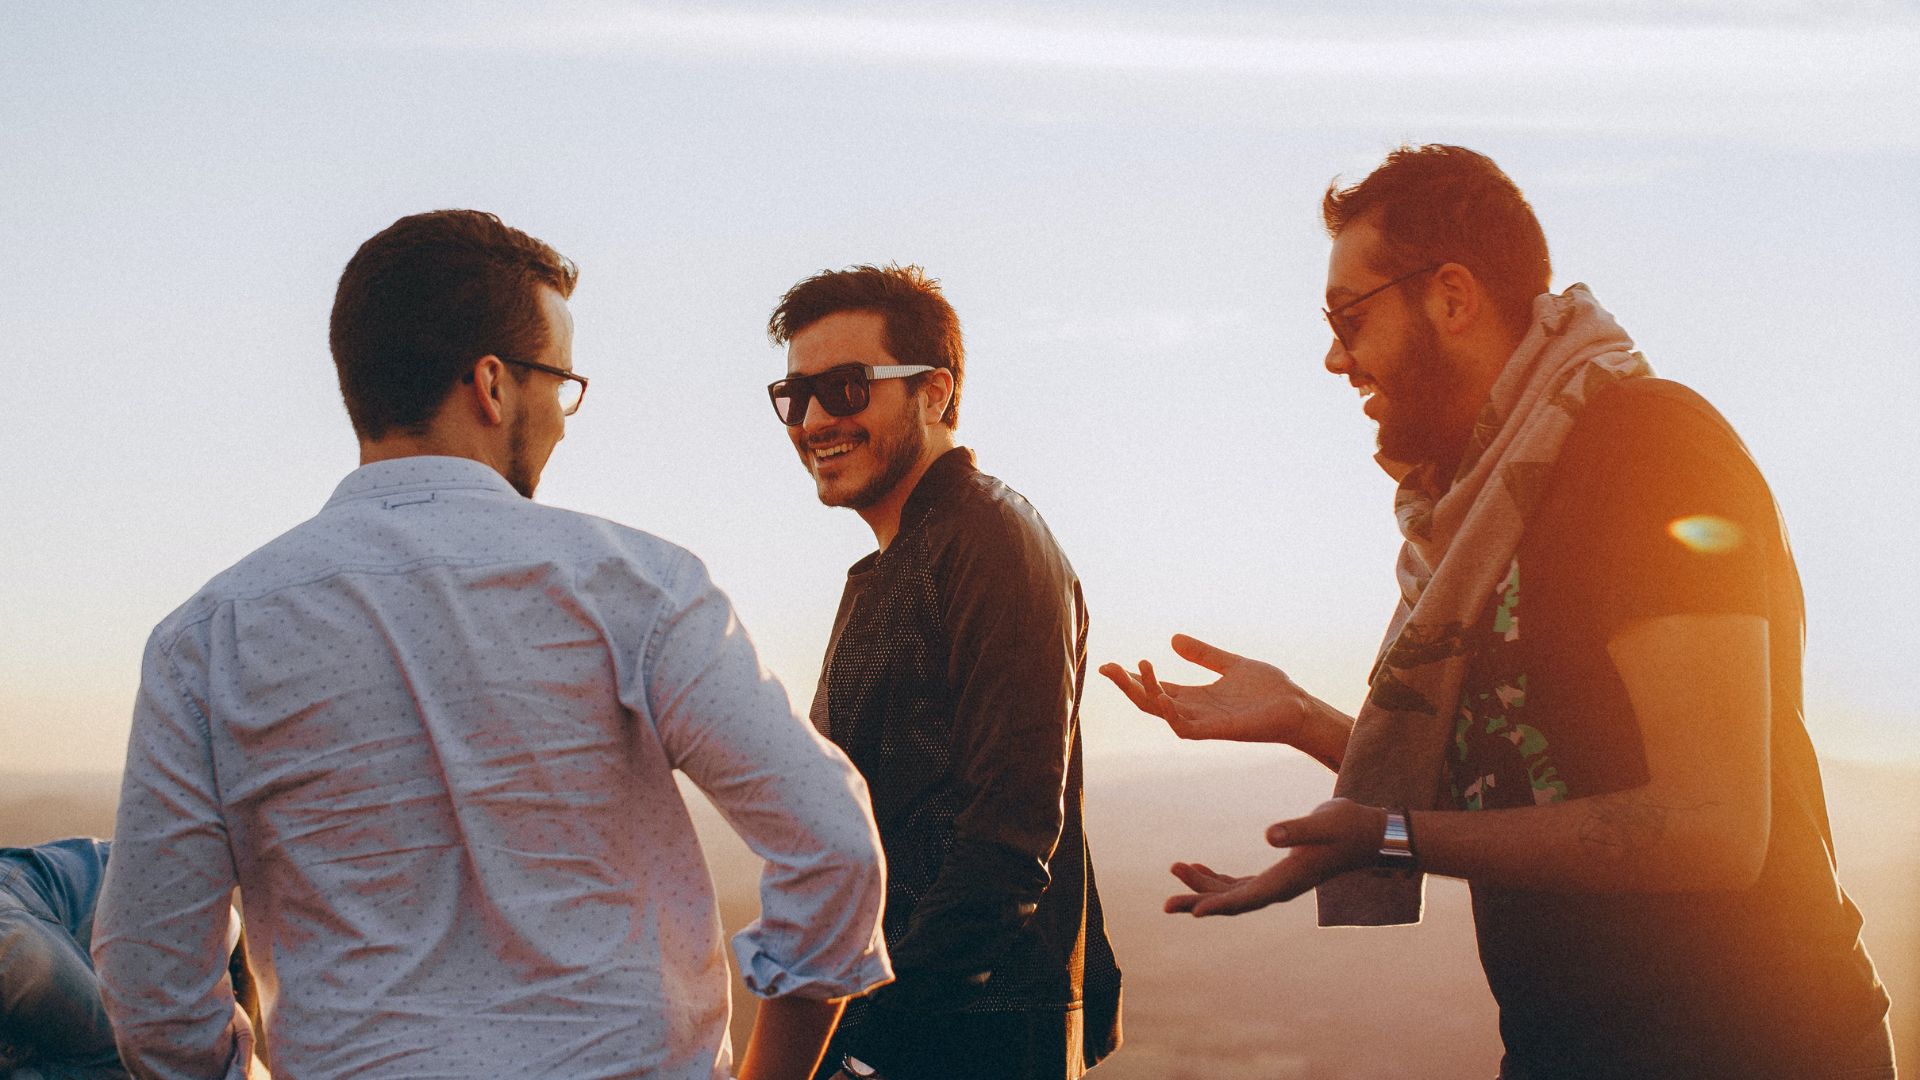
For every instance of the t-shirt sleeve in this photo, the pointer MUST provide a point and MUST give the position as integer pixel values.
(1668, 507)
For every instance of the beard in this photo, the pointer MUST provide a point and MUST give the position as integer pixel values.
(1423, 423)
(897, 448)
(518, 474)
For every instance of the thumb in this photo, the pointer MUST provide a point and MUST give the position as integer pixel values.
(1211, 657)
(1316, 828)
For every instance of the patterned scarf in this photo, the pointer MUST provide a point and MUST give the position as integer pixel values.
(1460, 543)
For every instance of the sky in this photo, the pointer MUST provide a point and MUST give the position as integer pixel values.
(1119, 199)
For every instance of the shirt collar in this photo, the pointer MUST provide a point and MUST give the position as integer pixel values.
(421, 472)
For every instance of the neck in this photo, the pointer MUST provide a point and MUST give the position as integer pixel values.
(1482, 363)
(883, 516)
(436, 443)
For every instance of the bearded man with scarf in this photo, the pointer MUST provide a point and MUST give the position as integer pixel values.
(1588, 700)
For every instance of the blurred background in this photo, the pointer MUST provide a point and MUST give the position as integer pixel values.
(1122, 202)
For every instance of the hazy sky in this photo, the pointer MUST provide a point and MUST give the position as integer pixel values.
(1121, 202)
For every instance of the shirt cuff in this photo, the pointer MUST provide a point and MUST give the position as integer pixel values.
(767, 977)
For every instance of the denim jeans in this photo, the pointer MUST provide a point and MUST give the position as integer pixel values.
(52, 1024)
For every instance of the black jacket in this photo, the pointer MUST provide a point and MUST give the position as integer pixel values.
(953, 681)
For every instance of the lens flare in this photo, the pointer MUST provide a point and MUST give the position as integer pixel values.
(1706, 534)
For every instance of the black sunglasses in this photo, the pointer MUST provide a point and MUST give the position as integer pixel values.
(841, 390)
(1337, 318)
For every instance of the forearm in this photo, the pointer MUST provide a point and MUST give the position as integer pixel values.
(1700, 694)
(1639, 840)
(1323, 732)
(789, 1035)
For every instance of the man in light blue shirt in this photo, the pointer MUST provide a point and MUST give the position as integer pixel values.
(431, 733)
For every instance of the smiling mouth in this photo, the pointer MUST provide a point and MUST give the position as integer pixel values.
(825, 452)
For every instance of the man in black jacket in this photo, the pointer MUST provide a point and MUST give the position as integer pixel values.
(953, 681)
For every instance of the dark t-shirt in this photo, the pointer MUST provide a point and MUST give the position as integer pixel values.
(1654, 508)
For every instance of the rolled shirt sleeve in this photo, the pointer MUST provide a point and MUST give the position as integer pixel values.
(791, 795)
(161, 927)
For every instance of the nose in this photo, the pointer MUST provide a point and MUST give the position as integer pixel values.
(816, 417)
(1338, 362)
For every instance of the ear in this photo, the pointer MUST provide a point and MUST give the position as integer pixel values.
(482, 386)
(938, 391)
(1456, 302)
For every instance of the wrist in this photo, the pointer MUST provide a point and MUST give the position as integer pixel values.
(1397, 850)
(1319, 731)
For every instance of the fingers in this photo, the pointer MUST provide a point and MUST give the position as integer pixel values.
(1338, 836)
(1312, 829)
(1211, 657)
(1283, 881)
(1151, 684)
(1150, 695)
(1336, 821)
(1204, 880)
(1130, 686)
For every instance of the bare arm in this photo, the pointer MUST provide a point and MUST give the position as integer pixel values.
(1699, 688)
(789, 1035)
(1251, 701)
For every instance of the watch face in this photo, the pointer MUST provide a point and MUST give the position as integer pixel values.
(855, 1067)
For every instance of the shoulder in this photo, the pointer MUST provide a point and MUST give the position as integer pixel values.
(985, 522)
(1644, 435)
(590, 539)
(596, 555)
(1655, 507)
(633, 574)
(1646, 412)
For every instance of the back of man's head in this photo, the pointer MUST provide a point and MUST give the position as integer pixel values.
(426, 297)
(921, 327)
(1439, 204)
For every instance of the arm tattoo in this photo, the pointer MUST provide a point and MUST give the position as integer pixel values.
(1627, 825)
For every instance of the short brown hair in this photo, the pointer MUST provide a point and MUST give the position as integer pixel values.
(1440, 204)
(921, 327)
(426, 297)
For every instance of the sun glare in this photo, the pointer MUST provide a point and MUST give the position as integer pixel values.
(1705, 534)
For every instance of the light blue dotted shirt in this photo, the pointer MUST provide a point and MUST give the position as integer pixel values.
(430, 734)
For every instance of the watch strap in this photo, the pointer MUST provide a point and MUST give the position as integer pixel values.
(1396, 844)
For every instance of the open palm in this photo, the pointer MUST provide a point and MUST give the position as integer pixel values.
(1251, 701)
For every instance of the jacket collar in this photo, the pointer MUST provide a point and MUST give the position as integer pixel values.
(942, 478)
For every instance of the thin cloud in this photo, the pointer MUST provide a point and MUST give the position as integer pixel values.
(1780, 70)
(1428, 39)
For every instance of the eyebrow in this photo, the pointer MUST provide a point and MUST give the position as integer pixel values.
(1336, 292)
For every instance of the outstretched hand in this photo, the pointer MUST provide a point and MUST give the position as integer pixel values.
(1340, 835)
(1249, 702)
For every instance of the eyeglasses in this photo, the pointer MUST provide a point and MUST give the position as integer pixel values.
(841, 390)
(1338, 320)
(573, 388)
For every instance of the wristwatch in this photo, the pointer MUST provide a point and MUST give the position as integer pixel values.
(1396, 845)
